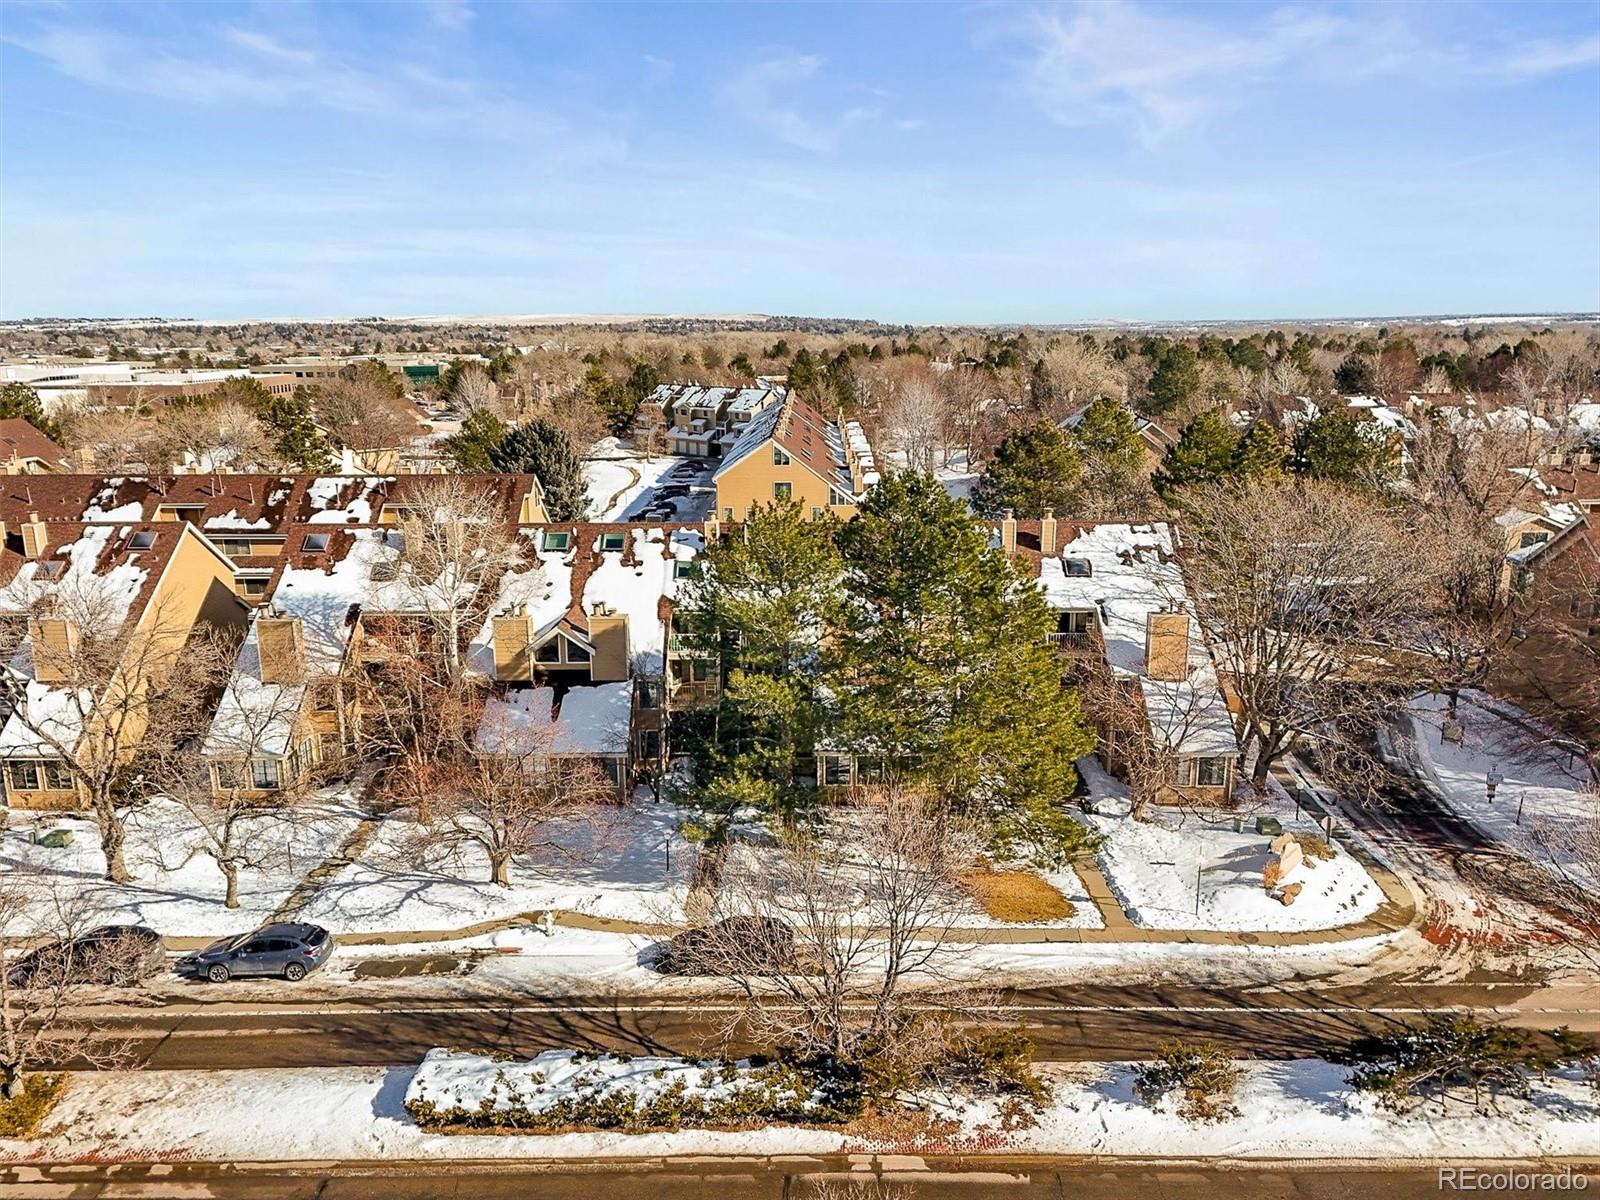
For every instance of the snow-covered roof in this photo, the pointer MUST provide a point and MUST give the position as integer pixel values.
(1132, 573)
(590, 720)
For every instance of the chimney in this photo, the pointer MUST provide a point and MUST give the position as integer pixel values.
(83, 458)
(281, 645)
(55, 639)
(1047, 533)
(713, 527)
(511, 637)
(533, 510)
(1166, 646)
(34, 540)
(1008, 532)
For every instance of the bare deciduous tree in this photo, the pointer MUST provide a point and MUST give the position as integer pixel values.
(913, 422)
(870, 905)
(37, 994)
(1307, 589)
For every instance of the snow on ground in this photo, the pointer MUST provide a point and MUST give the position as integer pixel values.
(1301, 1109)
(616, 869)
(625, 487)
(1157, 866)
(1542, 800)
(176, 890)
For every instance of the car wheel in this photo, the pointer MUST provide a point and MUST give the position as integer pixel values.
(218, 974)
(295, 972)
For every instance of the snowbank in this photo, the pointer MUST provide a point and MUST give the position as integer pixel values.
(1288, 1110)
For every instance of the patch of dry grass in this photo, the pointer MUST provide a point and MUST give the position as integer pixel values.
(21, 1118)
(1016, 896)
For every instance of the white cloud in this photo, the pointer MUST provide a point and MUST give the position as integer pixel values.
(449, 14)
(1163, 71)
(764, 92)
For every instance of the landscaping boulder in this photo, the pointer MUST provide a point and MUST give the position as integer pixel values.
(1287, 896)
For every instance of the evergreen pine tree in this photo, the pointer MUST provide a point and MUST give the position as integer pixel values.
(480, 435)
(1203, 453)
(542, 449)
(1355, 376)
(1333, 445)
(1176, 379)
(941, 666)
(18, 400)
(1032, 469)
(295, 437)
(760, 606)
(1108, 440)
(1259, 452)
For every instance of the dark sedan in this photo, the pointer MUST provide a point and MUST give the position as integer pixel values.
(287, 951)
(116, 955)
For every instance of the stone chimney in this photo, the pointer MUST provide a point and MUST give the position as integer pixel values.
(55, 639)
(1008, 532)
(512, 635)
(281, 644)
(1047, 533)
(1166, 646)
(34, 539)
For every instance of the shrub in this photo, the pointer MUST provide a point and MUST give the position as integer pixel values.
(1314, 847)
(20, 1118)
(1016, 895)
(1454, 1055)
(1202, 1074)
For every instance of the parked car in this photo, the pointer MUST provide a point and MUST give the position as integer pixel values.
(288, 951)
(735, 944)
(118, 955)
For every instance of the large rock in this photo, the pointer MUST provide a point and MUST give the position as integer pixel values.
(1290, 891)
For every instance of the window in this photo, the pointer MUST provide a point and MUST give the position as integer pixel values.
(56, 776)
(650, 743)
(702, 670)
(836, 770)
(549, 652)
(612, 541)
(576, 653)
(227, 775)
(314, 543)
(264, 773)
(836, 498)
(236, 547)
(49, 570)
(554, 540)
(727, 515)
(1210, 772)
(1078, 568)
(783, 491)
(1532, 539)
(779, 457)
(683, 569)
(614, 768)
(142, 540)
(651, 693)
(816, 512)
(24, 776)
(255, 585)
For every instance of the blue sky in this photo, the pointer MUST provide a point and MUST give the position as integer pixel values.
(928, 162)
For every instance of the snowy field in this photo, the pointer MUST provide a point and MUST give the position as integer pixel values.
(618, 868)
(1301, 1109)
(627, 487)
(177, 890)
(1541, 803)
(1176, 870)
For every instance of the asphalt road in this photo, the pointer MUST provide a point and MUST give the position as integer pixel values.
(861, 1178)
(1066, 1023)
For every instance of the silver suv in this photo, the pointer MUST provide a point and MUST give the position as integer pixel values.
(288, 951)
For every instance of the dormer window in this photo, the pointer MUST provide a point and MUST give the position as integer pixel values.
(684, 569)
(612, 541)
(314, 543)
(49, 570)
(1078, 568)
(143, 539)
(554, 540)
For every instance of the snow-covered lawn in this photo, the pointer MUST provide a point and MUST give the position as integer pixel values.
(1300, 1109)
(1181, 870)
(617, 869)
(623, 486)
(175, 890)
(1543, 798)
